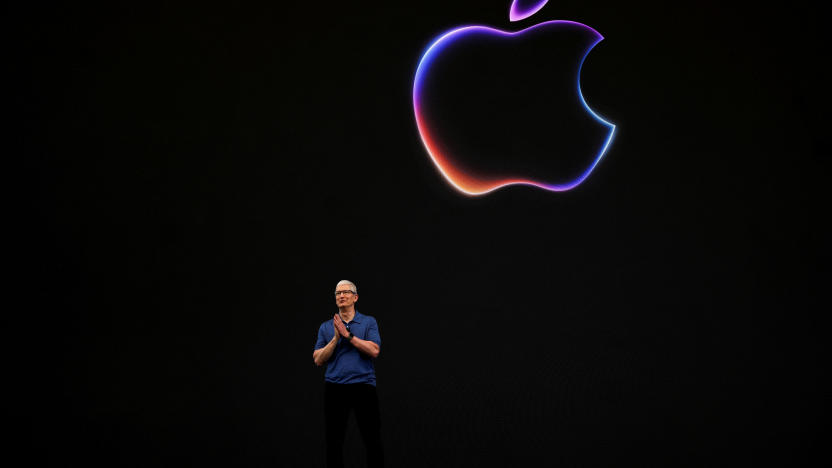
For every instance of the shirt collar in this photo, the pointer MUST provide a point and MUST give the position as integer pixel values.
(356, 318)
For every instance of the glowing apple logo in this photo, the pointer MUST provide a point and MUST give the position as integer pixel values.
(441, 112)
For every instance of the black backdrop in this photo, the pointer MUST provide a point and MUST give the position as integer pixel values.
(200, 175)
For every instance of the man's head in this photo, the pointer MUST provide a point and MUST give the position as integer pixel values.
(346, 294)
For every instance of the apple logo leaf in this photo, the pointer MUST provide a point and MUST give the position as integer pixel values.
(522, 9)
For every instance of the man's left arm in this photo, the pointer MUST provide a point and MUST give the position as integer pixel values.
(367, 347)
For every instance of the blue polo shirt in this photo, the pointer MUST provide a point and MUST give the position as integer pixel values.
(347, 364)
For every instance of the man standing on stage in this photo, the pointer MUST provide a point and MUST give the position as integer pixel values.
(347, 345)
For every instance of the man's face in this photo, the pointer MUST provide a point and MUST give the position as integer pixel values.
(344, 297)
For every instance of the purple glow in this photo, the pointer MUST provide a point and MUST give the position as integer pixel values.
(523, 9)
(459, 179)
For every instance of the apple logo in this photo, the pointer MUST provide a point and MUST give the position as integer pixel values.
(496, 108)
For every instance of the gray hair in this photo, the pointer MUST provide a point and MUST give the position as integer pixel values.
(353, 288)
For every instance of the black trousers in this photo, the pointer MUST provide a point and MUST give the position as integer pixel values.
(339, 400)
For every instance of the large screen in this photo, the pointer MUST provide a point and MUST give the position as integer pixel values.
(591, 233)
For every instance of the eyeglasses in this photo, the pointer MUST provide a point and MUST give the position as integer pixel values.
(338, 293)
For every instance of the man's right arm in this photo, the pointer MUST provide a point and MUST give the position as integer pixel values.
(322, 355)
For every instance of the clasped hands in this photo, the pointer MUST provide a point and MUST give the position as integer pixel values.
(340, 329)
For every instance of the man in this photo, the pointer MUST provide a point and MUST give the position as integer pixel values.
(347, 345)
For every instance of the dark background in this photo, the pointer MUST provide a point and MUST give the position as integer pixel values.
(198, 176)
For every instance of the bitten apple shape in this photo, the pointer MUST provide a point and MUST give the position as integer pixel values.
(455, 169)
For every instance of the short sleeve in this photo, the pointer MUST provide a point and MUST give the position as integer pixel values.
(372, 332)
(322, 340)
